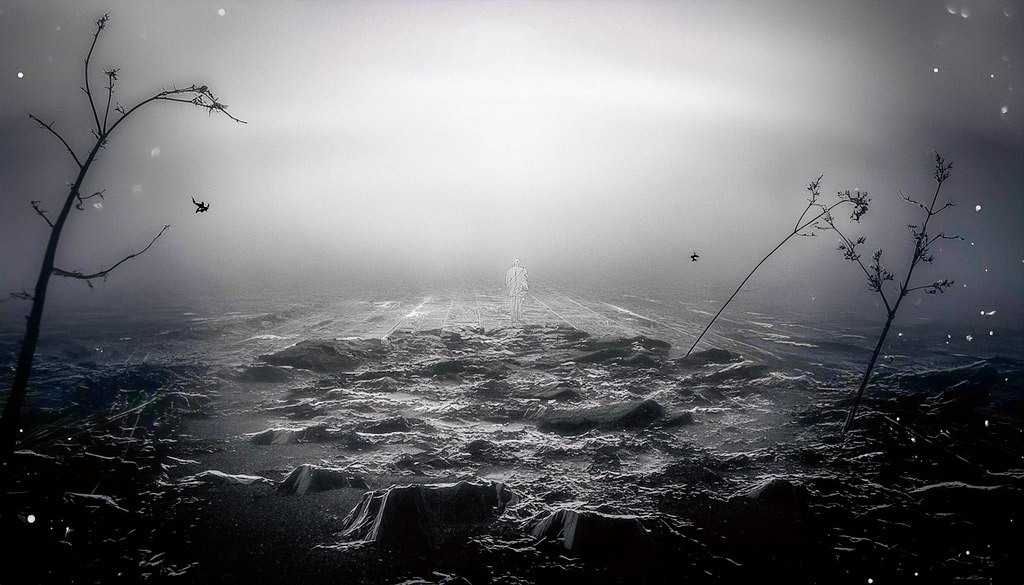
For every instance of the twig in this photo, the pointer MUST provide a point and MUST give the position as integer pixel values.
(61, 138)
(42, 214)
(103, 273)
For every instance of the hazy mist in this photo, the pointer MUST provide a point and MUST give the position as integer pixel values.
(600, 142)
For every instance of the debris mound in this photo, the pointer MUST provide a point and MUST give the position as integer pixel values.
(420, 518)
(588, 533)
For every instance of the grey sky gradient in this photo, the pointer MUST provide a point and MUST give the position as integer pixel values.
(440, 140)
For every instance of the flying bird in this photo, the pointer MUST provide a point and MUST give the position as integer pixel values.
(201, 206)
(694, 257)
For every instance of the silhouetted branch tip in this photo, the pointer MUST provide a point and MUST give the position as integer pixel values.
(942, 168)
(21, 296)
(42, 213)
(77, 274)
(49, 127)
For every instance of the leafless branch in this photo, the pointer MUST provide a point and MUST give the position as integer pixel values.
(941, 170)
(908, 199)
(111, 80)
(81, 199)
(103, 273)
(42, 214)
(61, 138)
(944, 207)
(101, 23)
(24, 295)
(943, 236)
(936, 287)
(202, 97)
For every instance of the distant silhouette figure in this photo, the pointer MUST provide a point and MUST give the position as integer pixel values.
(518, 284)
(201, 207)
(694, 257)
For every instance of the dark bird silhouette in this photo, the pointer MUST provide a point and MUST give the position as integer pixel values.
(694, 257)
(201, 206)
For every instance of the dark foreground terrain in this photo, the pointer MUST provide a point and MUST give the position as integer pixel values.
(534, 454)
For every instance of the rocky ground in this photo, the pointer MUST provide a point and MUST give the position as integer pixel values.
(533, 454)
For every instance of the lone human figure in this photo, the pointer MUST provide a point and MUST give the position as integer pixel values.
(517, 284)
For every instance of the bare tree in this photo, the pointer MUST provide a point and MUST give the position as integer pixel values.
(878, 275)
(105, 119)
(804, 226)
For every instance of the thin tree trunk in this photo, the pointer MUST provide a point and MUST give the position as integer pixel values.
(737, 291)
(9, 423)
(867, 373)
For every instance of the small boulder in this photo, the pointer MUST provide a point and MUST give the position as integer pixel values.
(632, 414)
(395, 424)
(595, 534)
(419, 518)
(310, 479)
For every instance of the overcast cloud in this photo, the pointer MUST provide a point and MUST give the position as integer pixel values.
(439, 140)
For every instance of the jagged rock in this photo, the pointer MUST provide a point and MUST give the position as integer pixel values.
(481, 448)
(382, 384)
(309, 479)
(328, 356)
(395, 424)
(560, 392)
(283, 436)
(681, 419)
(419, 518)
(633, 414)
(457, 368)
(215, 477)
(587, 533)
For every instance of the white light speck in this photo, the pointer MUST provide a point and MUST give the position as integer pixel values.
(1007, 12)
(977, 208)
(993, 76)
(951, 8)
(967, 552)
(31, 518)
(870, 580)
(990, 313)
(970, 338)
(991, 333)
(98, 205)
(900, 334)
(221, 11)
(155, 151)
(935, 70)
(1004, 110)
(138, 189)
(965, 12)
(986, 424)
(913, 440)
(986, 270)
(20, 75)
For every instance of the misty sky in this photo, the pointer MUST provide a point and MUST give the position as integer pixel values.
(440, 140)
